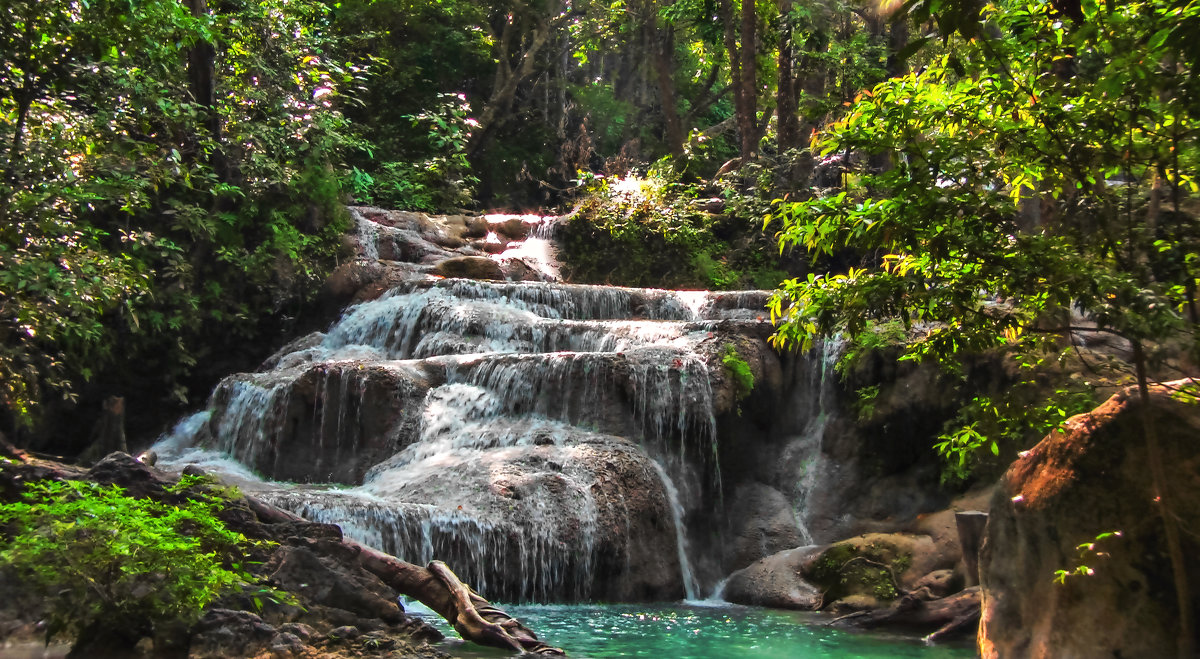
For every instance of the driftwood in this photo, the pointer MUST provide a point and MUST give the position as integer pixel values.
(437, 587)
(948, 615)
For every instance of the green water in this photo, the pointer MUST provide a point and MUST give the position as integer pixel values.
(700, 632)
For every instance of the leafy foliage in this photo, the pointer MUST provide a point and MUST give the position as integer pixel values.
(137, 211)
(1033, 179)
(104, 559)
(440, 182)
(650, 231)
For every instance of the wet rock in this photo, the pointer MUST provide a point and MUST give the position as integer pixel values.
(776, 581)
(762, 523)
(470, 267)
(344, 633)
(344, 283)
(223, 633)
(321, 580)
(587, 518)
(1089, 478)
(519, 270)
(513, 227)
(937, 584)
(286, 645)
(299, 630)
(327, 422)
(293, 353)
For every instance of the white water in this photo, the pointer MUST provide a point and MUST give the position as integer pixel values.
(690, 586)
(519, 379)
(816, 464)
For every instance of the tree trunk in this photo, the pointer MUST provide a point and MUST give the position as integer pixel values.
(108, 435)
(742, 116)
(664, 68)
(504, 89)
(785, 96)
(1161, 496)
(749, 80)
(202, 72)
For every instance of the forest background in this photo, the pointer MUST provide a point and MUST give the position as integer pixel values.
(947, 176)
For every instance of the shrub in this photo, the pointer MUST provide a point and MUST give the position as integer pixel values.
(106, 561)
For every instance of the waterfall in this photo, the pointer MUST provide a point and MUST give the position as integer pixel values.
(517, 431)
(820, 391)
(690, 586)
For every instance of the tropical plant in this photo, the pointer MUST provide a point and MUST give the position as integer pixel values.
(114, 566)
(168, 185)
(1037, 192)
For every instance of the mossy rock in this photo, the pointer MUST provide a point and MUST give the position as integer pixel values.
(868, 566)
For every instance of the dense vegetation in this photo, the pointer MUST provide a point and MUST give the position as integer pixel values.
(174, 172)
(935, 177)
(110, 566)
(167, 191)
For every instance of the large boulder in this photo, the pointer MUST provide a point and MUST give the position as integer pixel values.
(470, 267)
(762, 523)
(568, 515)
(324, 422)
(776, 581)
(864, 572)
(1092, 477)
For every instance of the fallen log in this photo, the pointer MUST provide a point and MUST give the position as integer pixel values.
(946, 616)
(435, 586)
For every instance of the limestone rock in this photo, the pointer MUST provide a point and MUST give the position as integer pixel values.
(300, 570)
(328, 422)
(776, 581)
(1089, 478)
(470, 267)
(763, 524)
(226, 633)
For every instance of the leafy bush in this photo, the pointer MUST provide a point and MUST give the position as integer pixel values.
(105, 560)
(439, 181)
(650, 231)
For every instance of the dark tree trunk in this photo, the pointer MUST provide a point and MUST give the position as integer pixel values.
(749, 82)
(743, 117)
(786, 105)
(1162, 497)
(664, 68)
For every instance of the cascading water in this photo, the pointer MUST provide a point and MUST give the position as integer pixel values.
(516, 430)
(819, 392)
(690, 586)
